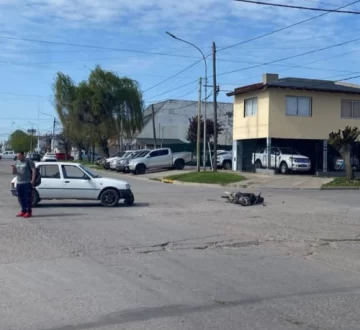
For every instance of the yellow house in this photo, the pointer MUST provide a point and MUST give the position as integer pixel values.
(292, 112)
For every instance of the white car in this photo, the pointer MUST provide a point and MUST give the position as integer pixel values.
(127, 155)
(8, 154)
(72, 181)
(48, 157)
(282, 159)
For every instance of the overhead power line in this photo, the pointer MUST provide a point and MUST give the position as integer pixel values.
(173, 76)
(300, 7)
(173, 89)
(285, 28)
(304, 66)
(291, 57)
(94, 47)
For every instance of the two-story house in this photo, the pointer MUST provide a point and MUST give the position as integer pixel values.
(292, 112)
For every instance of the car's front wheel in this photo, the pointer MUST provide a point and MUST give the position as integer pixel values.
(140, 169)
(109, 198)
(283, 168)
(227, 165)
(130, 200)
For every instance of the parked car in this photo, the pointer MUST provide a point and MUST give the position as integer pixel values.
(71, 181)
(122, 165)
(282, 159)
(159, 158)
(108, 160)
(8, 155)
(339, 164)
(49, 157)
(224, 160)
(127, 155)
(33, 156)
(63, 156)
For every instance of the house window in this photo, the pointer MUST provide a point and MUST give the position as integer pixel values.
(350, 109)
(250, 107)
(298, 106)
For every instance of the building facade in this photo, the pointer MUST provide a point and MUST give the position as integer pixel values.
(294, 112)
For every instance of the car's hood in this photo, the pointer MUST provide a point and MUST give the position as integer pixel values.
(136, 159)
(110, 182)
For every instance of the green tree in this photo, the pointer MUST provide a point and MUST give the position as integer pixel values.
(21, 141)
(192, 129)
(342, 141)
(99, 109)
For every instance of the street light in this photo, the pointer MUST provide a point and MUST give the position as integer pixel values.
(205, 85)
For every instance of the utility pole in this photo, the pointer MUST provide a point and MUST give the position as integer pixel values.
(198, 131)
(121, 127)
(153, 123)
(215, 106)
(53, 136)
(205, 129)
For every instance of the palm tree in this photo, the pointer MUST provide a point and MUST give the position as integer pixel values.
(342, 141)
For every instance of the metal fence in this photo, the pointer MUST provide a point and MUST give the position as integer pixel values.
(335, 162)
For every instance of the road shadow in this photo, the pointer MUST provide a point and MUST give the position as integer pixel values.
(88, 205)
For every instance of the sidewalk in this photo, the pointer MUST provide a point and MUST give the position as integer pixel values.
(257, 181)
(282, 181)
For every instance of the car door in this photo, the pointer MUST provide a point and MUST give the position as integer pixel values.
(153, 159)
(165, 158)
(273, 160)
(264, 158)
(77, 184)
(51, 186)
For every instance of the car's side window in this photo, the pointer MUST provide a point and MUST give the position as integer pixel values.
(49, 171)
(72, 172)
(163, 152)
(154, 153)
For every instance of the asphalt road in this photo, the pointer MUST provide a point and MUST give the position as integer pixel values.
(181, 258)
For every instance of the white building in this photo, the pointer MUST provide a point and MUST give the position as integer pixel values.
(172, 122)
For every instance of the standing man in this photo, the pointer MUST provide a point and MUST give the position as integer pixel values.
(25, 171)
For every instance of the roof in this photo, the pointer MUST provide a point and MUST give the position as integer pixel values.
(301, 84)
(148, 141)
(176, 106)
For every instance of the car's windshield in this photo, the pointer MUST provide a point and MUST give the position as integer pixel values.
(89, 172)
(118, 154)
(289, 151)
(133, 154)
(142, 153)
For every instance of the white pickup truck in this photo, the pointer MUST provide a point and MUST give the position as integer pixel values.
(159, 158)
(283, 159)
(224, 160)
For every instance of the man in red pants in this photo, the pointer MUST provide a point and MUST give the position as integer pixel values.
(25, 172)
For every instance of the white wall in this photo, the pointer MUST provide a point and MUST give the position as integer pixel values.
(172, 121)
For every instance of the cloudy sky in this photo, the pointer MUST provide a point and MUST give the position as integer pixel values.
(41, 37)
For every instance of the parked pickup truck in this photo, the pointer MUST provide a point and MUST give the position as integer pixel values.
(282, 159)
(159, 158)
(224, 160)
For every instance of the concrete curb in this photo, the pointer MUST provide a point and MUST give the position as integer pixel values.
(340, 188)
(166, 181)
